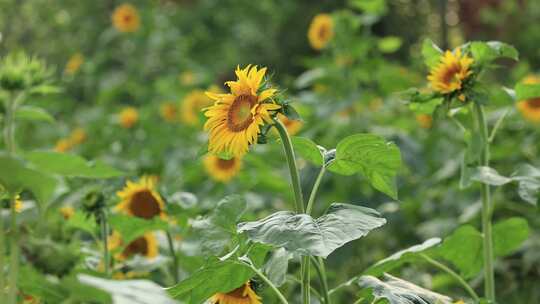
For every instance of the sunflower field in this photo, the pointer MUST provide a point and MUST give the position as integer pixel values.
(270, 151)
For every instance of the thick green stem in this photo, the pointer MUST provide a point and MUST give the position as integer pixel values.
(453, 274)
(9, 126)
(298, 201)
(281, 297)
(321, 272)
(489, 277)
(291, 161)
(104, 237)
(173, 257)
(313, 194)
(14, 258)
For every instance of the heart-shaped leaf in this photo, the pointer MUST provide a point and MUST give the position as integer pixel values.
(70, 165)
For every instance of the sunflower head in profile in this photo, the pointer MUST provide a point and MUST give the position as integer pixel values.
(453, 69)
(74, 64)
(321, 31)
(141, 199)
(146, 246)
(293, 126)
(235, 119)
(125, 18)
(530, 108)
(168, 111)
(222, 170)
(128, 117)
(241, 295)
(192, 105)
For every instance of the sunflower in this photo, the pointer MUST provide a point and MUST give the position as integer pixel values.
(530, 108)
(321, 31)
(18, 204)
(192, 105)
(141, 199)
(449, 74)
(67, 212)
(128, 117)
(146, 246)
(424, 120)
(74, 64)
(78, 136)
(63, 145)
(222, 170)
(168, 111)
(292, 125)
(125, 18)
(187, 78)
(241, 295)
(235, 118)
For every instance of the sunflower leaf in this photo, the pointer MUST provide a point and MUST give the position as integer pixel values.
(486, 52)
(431, 52)
(527, 91)
(33, 114)
(70, 165)
(131, 227)
(305, 235)
(308, 150)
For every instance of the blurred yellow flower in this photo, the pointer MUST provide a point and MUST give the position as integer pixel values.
(449, 74)
(146, 246)
(67, 212)
(74, 64)
(63, 145)
(18, 204)
(424, 120)
(293, 126)
(241, 295)
(235, 118)
(141, 199)
(129, 117)
(192, 105)
(187, 78)
(321, 31)
(530, 108)
(120, 275)
(168, 111)
(78, 136)
(222, 170)
(125, 18)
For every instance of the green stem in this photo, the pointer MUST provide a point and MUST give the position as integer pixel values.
(2, 254)
(453, 274)
(291, 161)
(313, 194)
(298, 201)
(321, 272)
(14, 258)
(489, 276)
(173, 257)
(281, 297)
(9, 126)
(104, 237)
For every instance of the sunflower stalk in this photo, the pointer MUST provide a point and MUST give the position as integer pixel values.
(173, 257)
(298, 200)
(278, 293)
(104, 237)
(14, 258)
(489, 276)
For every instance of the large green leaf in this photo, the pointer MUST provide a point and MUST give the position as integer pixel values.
(398, 291)
(318, 237)
(464, 248)
(528, 178)
(216, 276)
(488, 175)
(70, 165)
(15, 176)
(527, 91)
(131, 227)
(129, 292)
(486, 52)
(216, 230)
(33, 113)
(79, 220)
(401, 257)
(373, 157)
(308, 150)
(431, 53)
(276, 267)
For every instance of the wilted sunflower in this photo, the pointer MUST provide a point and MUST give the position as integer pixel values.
(125, 18)
(74, 64)
(424, 120)
(449, 74)
(192, 105)
(168, 111)
(292, 125)
(235, 118)
(146, 246)
(321, 31)
(530, 108)
(128, 117)
(222, 170)
(141, 199)
(241, 295)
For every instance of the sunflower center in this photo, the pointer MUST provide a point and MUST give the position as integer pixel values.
(127, 18)
(144, 204)
(450, 75)
(239, 116)
(237, 293)
(225, 164)
(534, 103)
(138, 246)
(323, 32)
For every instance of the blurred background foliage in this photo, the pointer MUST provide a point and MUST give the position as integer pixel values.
(348, 87)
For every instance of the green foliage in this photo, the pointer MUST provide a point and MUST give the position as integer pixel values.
(131, 227)
(33, 114)
(431, 53)
(486, 52)
(308, 150)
